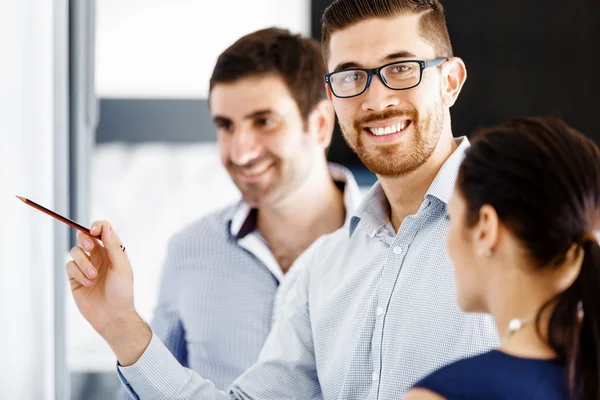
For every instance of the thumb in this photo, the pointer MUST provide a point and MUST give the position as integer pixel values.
(112, 244)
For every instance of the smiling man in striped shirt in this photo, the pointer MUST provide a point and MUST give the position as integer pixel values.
(223, 273)
(376, 310)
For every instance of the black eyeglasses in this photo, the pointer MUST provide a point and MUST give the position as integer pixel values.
(399, 75)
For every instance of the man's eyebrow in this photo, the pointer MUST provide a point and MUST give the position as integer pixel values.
(346, 65)
(219, 118)
(254, 114)
(388, 58)
(258, 113)
(397, 55)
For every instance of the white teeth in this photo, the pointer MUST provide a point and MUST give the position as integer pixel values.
(255, 171)
(388, 129)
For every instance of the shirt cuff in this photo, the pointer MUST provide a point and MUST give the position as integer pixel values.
(156, 375)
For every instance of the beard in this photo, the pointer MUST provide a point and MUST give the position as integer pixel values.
(397, 159)
(284, 176)
(256, 193)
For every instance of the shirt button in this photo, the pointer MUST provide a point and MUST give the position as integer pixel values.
(379, 311)
(375, 376)
(397, 249)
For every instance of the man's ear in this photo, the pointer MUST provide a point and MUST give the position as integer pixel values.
(454, 75)
(322, 121)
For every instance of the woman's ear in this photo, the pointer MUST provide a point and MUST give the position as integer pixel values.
(485, 232)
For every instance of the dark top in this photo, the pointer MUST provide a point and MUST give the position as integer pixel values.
(496, 375)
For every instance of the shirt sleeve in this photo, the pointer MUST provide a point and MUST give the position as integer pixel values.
(286, 367)
(166, 323)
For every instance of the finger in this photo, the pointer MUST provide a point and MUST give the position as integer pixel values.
(101, 230)
(113, 245)
(86, 241)
(83, 262)
(76, 277)
(100, 227)
(96, 228)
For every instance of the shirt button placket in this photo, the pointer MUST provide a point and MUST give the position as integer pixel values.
(389, 276)
(375, 377)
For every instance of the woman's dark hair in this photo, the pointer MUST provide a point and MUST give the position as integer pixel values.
(543, 179)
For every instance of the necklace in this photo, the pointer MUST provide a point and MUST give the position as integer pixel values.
(515, 325)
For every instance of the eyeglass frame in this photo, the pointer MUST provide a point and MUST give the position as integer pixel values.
(423, 64)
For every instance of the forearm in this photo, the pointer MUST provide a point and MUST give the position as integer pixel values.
(157, 375)
(128, 337)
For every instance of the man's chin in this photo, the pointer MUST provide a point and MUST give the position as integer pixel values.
(391, 164)
(257, 193)
(256, 198)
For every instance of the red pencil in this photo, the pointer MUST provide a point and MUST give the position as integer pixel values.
(59, 217)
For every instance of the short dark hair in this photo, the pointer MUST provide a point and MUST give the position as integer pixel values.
(543, 179)
(343, 13)
(296, 59)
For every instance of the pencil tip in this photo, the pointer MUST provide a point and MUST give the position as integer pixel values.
(21, 198)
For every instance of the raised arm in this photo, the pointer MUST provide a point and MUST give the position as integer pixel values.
(285, 370)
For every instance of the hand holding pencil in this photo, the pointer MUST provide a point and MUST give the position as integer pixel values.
(100, 276)
(99, 265)
(101, 280)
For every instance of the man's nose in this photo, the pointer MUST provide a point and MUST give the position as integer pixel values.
(245, 147)
(378, 97)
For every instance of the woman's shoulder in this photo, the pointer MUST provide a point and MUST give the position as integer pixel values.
(498, 373)
(463, 370)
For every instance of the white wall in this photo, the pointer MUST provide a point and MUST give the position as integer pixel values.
(167, 48)
(27, 241)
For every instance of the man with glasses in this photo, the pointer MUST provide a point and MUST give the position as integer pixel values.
(376, 311)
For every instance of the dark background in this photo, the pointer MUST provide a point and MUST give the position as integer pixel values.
(522, 57)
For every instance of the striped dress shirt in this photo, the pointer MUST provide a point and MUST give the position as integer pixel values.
(219, 287)
(375, 312)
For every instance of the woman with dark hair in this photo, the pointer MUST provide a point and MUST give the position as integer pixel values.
(522, 236)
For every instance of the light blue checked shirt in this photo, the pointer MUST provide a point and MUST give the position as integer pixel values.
(221, 286)
(375, 312)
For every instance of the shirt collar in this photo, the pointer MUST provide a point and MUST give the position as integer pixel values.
(374, 211)
(244, 218)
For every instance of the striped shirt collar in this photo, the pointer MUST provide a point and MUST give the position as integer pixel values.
(374, 211)
(244, 218)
